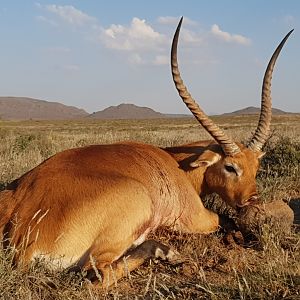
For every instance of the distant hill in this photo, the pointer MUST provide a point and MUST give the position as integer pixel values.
(131, 111)
(251, 110)
(22, 108)
(127, 111)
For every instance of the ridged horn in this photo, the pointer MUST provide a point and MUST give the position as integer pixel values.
(228, 146)
(263, 128)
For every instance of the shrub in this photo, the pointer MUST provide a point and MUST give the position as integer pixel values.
(282, 158)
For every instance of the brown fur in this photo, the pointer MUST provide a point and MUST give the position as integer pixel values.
(99, 201)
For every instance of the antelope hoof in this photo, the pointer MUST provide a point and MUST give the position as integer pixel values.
(172, 256)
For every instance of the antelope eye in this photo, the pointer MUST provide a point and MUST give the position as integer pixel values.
(230, 169)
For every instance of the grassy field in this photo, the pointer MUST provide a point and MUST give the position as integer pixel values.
(213, 269)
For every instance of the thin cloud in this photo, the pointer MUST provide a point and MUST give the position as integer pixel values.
(188, 36)
(48, 21)
(161, 60)
(289, 20)
(227, 37)
(136, 59)
(70, 14)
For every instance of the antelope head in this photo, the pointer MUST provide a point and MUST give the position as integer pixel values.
(230, 167)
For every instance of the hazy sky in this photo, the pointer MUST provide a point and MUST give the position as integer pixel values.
(93, 54)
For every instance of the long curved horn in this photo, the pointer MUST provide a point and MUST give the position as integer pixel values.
(228, 146)
(263, 128)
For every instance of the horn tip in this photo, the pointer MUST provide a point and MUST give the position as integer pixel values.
(180, 22)
(289, 33)
(177, 31)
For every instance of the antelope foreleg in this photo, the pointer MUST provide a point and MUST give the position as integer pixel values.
(133, 258)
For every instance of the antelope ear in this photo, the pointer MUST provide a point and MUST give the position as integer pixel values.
(206, 159)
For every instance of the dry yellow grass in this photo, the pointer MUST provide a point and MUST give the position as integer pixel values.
(212, 269)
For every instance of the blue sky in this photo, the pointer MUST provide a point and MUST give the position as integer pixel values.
(93, 54)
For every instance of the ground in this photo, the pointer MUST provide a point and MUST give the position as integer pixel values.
(213, 267)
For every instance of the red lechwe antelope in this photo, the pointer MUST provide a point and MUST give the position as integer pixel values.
(90, 207)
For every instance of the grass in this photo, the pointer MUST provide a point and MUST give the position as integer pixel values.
(212, 269)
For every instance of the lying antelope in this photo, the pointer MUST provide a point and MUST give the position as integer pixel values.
(92, 207)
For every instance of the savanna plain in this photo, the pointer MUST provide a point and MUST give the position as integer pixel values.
(268, 267)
